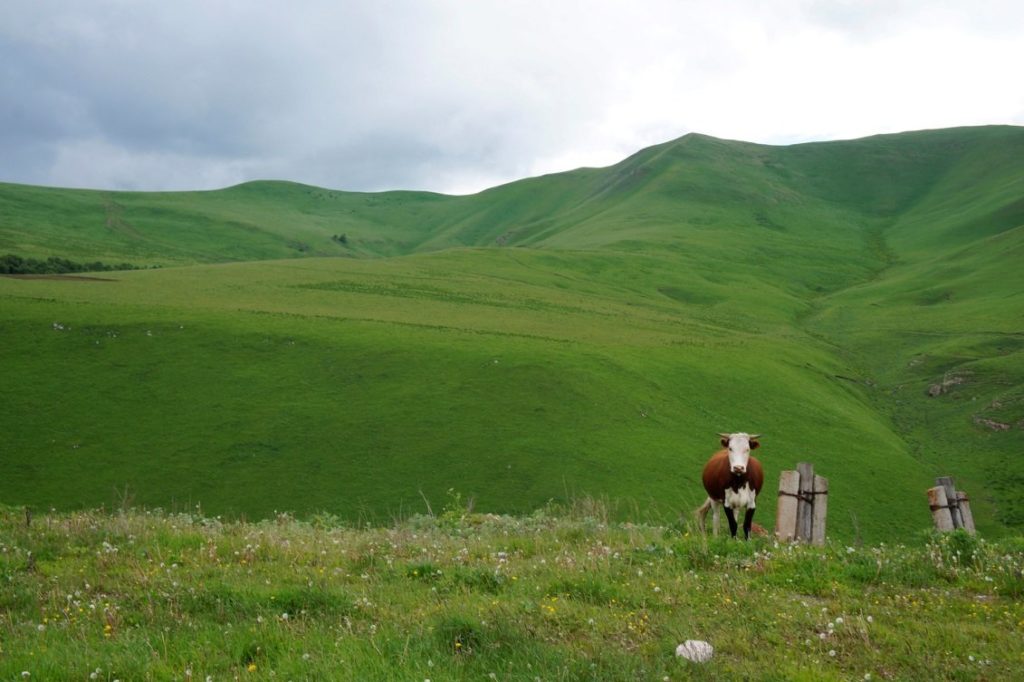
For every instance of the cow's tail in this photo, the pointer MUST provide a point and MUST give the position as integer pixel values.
(701, 512)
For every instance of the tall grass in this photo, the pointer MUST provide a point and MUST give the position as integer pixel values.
(149, 595)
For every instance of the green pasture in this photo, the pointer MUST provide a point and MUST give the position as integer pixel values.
(584, 333)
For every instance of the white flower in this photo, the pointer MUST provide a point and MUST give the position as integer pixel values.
(832, 653)
(870, 619)
(839, 620)
(25, 673)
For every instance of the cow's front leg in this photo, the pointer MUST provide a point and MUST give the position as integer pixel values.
(729, 514)
(748, 519)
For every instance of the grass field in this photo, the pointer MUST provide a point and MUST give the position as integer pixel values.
(559, 594)
(580, 333)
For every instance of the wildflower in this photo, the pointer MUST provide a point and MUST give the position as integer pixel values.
(832, 653)
(251, 668)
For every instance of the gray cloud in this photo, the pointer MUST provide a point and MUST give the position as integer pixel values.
(448, 95)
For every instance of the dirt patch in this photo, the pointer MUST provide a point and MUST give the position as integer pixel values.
(83, 278)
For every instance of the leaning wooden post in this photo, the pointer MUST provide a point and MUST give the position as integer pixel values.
(951, 499)
(805, 503)
(785, 515)
(964, 503)
(820, 506)
(940, 508)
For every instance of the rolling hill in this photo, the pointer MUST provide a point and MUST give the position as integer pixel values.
(860, 302)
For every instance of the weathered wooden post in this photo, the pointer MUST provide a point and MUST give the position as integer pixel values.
(820, 504)
(954, 511)
(940, 508)
(785, 517)
(805, 503)
(951, 508)
(802, 505)
(964, 503)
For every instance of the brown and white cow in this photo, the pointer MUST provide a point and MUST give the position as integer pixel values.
(733, 479)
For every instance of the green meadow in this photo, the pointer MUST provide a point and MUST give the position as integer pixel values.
(562, 593)
(861, 303)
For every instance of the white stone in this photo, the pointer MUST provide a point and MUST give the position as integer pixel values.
(695, 650)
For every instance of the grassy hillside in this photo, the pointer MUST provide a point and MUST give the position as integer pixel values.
(586, 332)
(559, 594)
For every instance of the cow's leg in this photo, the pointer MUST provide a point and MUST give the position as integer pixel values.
(748, 519)
(716, 517)
(732, 520)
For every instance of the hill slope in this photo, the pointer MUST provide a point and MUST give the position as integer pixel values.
(812, 292)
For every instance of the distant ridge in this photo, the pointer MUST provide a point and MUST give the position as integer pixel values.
(276, 219)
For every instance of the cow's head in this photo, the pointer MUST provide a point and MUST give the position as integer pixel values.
(740, 445)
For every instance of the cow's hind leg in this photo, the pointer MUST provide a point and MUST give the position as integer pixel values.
(748, 519)
(732, 520)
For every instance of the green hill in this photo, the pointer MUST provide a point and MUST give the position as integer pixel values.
(584, 332)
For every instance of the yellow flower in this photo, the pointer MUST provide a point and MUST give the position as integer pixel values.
(251, 668)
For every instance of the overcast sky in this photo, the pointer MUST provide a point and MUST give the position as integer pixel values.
(459, 95)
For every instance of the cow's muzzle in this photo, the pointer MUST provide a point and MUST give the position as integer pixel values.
(739, 470)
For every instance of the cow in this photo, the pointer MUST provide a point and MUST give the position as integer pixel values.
(732, 479)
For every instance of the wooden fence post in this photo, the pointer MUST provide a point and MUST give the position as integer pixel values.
(802, 506)
(820, 506)
(940, 508)
(805, 503)
(951, 508)
(785, 515)
(954, 512)
(964, 503)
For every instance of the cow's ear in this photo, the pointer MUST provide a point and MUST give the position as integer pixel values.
(725, 442)
(754, 445)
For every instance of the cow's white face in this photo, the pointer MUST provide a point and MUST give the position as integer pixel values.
(740, 445)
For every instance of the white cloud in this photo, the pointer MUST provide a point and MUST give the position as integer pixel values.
(457, 96)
